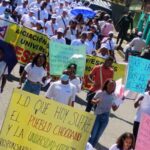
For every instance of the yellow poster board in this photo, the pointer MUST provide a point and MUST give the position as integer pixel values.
(35, 123)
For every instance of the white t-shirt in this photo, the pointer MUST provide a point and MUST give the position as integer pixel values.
(61, 93)
(21, 10)
(71, 34)
(41, 31)
(55, 39)
(90, 48)
(8, 19)
(62, 22)
(76, 82)
(109, 44)
(143, 108)
(2, 9)
(43, 15)
(48, 29)
(35, 5)
(58, 11)
(27, 20)
(114, 147)
(35, 74)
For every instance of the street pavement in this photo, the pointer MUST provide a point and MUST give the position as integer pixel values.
(120, 121)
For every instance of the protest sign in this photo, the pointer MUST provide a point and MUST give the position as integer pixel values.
(138, 74)
(92, 61)
(35, 123)
(143, 139)
(61, 55)
(27, 42)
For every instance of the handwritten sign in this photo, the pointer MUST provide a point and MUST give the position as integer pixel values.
(61, 55)
(143, 139)
(35, 123)
(138, 74)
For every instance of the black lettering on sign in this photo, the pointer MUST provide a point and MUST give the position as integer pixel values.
(9, 128)
(61, 113)
(19, 132)
(41, 106)
(24, 101)
(14, 116)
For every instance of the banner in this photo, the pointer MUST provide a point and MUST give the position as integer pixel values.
(27, 42)
(35, 123)
(92, 61)
(61, 55)
(138, 74)
(143, 139)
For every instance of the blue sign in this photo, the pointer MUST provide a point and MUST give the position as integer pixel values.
(138, 74)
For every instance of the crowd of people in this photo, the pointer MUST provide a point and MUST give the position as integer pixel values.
(54, 18)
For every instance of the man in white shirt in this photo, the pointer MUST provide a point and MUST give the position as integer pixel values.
(80, 41)
(21, 10)
(63, 20)
(135, 46)
(59, 9)
(42, 13)
(28, 20)
(62, 91)
(3, 6)
(90, 43)
(59, 36)
(51, 26)
(7, 15)
(35, 4)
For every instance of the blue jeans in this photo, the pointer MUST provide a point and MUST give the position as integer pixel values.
(98, 128)
(32, 88)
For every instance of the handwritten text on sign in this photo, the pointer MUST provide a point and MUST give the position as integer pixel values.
(138, 74)
(61, 55)
(33, 122)
(143, 139)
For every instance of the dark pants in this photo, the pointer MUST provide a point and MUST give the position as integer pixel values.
(68, 41)
(135, 129)
(98, 128)
(89, 98)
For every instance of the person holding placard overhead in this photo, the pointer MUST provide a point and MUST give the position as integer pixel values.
(143, 105)
(98, 76)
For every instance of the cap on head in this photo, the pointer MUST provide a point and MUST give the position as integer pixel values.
(60, 30)
(32, 10)
(140, 34)
(54, 16)
(40, 22)
(111, 33)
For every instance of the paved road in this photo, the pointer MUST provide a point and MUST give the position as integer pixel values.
(120, 121)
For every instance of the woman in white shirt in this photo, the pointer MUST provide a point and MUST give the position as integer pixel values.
(35, 74)
(39, 26)
(73, 78)
(124, 142)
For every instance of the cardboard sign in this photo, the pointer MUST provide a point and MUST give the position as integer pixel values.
(35, 123)
(61, 55)
(143, 139)
(138, 74)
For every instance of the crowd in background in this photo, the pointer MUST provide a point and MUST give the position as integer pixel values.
(54, 18)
